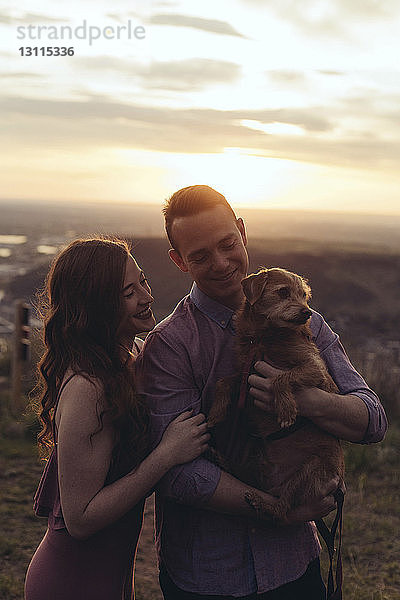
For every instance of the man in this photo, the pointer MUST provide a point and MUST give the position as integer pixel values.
(209, 544)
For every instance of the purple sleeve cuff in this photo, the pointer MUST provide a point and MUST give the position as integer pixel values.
(193, 483)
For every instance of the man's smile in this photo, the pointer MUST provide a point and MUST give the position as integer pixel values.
(225, 277)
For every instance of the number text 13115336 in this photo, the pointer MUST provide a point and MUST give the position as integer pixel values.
(46, 51)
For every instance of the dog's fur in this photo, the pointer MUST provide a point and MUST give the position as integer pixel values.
(273, 326)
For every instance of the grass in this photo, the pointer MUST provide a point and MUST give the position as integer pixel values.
(371, 541)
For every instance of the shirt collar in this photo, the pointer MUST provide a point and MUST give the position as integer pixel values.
(222, 315)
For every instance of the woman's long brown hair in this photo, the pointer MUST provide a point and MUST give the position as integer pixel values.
(82, 311)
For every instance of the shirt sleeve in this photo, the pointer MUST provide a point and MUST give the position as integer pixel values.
(165, 378)
(347, 379)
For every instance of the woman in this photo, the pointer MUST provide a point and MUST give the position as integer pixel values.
(100, 469)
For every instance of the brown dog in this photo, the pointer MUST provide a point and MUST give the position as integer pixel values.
(291, 459)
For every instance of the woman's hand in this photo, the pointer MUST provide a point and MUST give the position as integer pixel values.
(185, 438)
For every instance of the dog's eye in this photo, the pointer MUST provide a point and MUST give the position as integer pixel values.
(283, 293)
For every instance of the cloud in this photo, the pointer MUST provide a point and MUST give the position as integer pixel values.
(369, 9)
(99, 122)
(285, 77)
(210, 25)
(363, 9)
(331, 72)
(27, 18)
(191, 74)
(19, 75)
(327, 17)
(310, 119)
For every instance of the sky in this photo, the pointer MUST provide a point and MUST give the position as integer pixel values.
(276, 104)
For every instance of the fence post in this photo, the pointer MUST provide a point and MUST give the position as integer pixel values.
(20, 355)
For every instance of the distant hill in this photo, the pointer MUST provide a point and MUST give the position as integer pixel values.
(356, 290)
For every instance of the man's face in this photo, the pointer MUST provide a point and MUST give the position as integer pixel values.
(211, 247)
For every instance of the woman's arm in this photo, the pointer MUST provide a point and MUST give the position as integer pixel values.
(84, 459)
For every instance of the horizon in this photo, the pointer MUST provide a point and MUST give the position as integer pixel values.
(158, 206)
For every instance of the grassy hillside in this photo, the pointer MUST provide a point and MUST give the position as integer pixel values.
(371, 544)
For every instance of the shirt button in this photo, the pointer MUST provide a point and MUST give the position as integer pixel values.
(223, 322)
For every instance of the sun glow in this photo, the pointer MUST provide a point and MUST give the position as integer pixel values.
(245, 179)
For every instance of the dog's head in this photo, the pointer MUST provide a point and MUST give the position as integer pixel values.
(279, 296)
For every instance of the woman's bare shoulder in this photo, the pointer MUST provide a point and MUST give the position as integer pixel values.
(83, 396)
(82, 384)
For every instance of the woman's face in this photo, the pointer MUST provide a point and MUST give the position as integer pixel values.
(137, 300)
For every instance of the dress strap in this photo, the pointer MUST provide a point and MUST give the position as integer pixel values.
(60, 391)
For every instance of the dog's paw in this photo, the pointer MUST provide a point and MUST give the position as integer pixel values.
(285, 404)
(286, 424)
(286, 417)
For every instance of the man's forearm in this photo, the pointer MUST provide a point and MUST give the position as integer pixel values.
(345, 416)
(229, 497)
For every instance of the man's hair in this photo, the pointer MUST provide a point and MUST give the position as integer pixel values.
(191, 201)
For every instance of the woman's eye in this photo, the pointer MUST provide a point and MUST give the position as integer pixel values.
(129, 295)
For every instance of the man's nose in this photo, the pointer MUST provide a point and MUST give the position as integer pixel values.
(220, 262)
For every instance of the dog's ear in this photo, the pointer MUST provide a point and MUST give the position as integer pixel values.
(253, 286)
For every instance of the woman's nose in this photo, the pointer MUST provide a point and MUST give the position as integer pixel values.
(146, 296)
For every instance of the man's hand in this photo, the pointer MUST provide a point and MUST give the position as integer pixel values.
(344, 416)
(261, 386)
(319, 507)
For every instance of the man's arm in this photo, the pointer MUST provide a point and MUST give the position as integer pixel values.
(229, 497)
(345, 417)
(164, 376)
(355, 414)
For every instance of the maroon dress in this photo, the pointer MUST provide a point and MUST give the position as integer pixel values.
(64, 568)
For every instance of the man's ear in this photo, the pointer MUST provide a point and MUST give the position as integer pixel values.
(178, 260)
(242, 228)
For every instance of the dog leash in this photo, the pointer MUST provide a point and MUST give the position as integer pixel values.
(241, 401)
(244, 382)
(329, 537)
